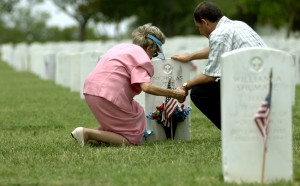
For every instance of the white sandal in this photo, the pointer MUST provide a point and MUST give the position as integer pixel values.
(77, 134)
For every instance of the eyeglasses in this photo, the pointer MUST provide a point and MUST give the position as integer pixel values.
(156, 52)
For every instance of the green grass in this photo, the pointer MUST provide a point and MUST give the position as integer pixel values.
(36, 118)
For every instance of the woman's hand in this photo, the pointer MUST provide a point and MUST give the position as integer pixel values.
(181, 94)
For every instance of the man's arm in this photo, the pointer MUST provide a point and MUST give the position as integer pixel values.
(202, 54)
(199, 79)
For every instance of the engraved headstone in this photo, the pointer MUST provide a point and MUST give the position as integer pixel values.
(177, 73)
(249, 75)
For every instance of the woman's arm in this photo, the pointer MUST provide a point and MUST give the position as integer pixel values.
(150, 88)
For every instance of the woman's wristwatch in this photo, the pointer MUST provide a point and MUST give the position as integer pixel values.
(185, 86)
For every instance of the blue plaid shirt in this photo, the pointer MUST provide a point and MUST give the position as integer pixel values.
(229, 35)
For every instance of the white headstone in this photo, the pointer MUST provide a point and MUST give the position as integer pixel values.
(141, 99)
(36, 60)
(177, 73)
(244, 86)
(7, 53)
(21, 62)
(63, 68)
(49, 61)
(88, 61)
(75, 73)
(296, 54)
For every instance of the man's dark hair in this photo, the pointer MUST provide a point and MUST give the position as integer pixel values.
(207, 10)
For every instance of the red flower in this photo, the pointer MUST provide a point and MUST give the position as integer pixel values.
(161, 107)
(154, 115)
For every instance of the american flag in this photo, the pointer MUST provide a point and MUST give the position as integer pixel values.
(170, 106)
(262, 117)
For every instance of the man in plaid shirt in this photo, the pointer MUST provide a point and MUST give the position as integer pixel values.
(224, 35)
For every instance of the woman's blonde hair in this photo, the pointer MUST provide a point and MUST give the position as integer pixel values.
(139, 35)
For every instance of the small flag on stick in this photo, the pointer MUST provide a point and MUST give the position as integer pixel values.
(170, 106)
(262, 120)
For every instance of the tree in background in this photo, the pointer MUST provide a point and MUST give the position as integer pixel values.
(172, 17)
(18, 24)
(82, 11)
(31, 27)
(176, 17)
(116, 11)
(278, 14)
(6, 7)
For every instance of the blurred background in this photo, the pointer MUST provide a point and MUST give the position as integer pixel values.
(30, 21)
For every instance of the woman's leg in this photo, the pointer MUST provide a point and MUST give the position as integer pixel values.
(104, 136)
(105, 113)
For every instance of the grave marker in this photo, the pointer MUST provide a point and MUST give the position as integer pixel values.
(21, 62)
(245, 85)
(177, 73)
(296, 54)
(63, 68)
(88, 61)
(49, 60)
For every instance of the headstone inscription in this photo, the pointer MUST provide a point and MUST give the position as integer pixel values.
(256, 111)
(168, 74)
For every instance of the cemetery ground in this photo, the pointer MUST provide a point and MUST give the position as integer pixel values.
(37, 116)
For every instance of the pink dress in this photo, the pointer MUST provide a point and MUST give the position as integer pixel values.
(109, 90)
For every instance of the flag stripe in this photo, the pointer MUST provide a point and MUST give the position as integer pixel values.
(170, 106)
(262, 117)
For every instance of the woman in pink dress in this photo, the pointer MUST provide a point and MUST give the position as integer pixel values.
(122, 73)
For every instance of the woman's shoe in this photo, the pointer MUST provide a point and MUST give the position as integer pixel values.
(77, 134)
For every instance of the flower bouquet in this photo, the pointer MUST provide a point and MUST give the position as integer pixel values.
(179, 114)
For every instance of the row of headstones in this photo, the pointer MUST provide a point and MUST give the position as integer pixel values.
(68, 63)
(29, 57)
(35, 57)
(245, 81)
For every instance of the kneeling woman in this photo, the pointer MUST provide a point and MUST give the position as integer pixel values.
(122, 73)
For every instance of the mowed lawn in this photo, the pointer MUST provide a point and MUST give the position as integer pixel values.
(37, 116)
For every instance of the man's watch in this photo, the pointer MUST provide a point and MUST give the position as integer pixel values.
(185, 86)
